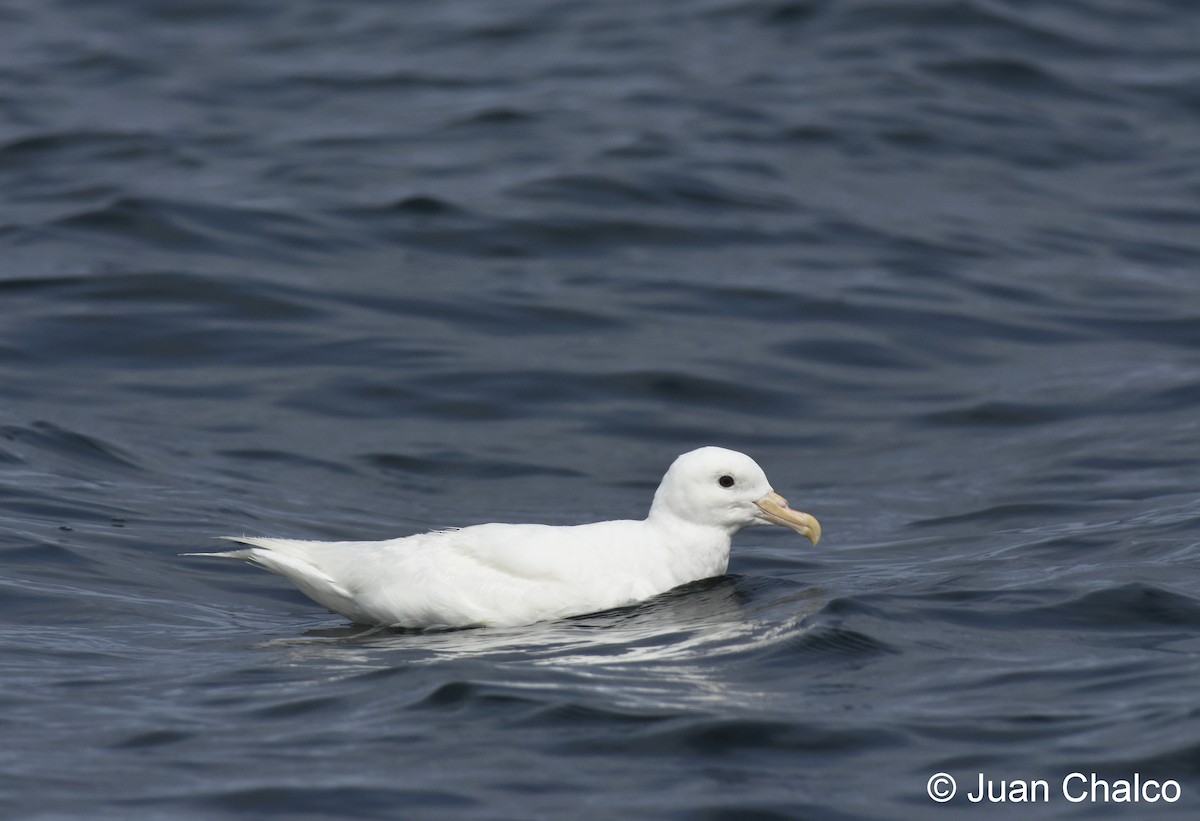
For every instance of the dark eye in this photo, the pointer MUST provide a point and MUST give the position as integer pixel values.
(725, 481)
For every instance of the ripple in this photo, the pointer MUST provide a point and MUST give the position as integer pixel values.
(45, 440)
(828, 642)
(648, 189)
(1132, 606)
(195, 226)
(1006, 414)
(329, 801)
(460, 465)
(152, 739)
(717, 739)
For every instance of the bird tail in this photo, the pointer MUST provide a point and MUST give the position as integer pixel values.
(246, 554)
(288, 558)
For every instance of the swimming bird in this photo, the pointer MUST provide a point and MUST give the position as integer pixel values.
(517, 574)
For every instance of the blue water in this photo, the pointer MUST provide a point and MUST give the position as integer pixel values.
(359, 270)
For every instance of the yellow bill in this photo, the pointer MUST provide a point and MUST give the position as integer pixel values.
(775, 510)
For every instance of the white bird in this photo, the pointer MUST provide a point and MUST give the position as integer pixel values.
(517, 574)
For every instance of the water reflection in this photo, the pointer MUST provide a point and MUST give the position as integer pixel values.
(682, 647)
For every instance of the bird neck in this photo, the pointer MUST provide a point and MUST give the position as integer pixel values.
(701, 551)
(664, 516)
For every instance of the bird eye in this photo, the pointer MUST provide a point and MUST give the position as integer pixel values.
(725, 481)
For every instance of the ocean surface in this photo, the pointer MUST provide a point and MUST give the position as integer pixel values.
(358, 270)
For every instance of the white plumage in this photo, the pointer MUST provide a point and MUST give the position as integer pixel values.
(514, 574)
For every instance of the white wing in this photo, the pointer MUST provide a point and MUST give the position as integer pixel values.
(495, 574)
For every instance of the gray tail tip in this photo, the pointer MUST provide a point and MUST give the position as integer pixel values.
(225, 554)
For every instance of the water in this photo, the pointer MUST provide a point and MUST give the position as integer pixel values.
(359, 270)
